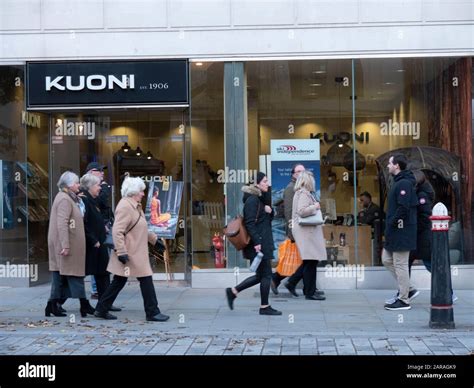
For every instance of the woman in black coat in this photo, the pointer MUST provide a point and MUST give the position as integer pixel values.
(97, 255)
(258, 222)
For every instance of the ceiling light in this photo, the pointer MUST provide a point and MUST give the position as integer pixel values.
(139, 151)
(319, 72)
(389, 83)
(149, 155)
(198, 63)
(379, 92)
(125, 147)
(315, 84)
(400, 70)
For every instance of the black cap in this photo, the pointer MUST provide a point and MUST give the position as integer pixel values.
(95, 166)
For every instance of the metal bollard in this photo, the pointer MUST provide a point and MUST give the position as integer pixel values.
(442, 315)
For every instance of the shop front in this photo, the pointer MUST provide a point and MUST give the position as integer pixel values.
(196, 131)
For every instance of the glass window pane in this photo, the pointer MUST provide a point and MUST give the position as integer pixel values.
(422, 109)
(207, 164)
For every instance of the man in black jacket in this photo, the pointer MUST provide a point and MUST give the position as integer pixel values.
(400, 228)
(370, 211)
(103, 201)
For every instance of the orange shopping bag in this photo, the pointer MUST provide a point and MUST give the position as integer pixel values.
(289, 258)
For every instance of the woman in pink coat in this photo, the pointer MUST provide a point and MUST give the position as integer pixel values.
(309, 239)
(130, 256)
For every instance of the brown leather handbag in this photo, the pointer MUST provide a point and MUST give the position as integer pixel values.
(236, 232)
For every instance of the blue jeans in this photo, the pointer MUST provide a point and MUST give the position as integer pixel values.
(93, 285)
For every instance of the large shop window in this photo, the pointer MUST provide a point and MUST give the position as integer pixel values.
(13, 177)
(207, 164)
(361, 112)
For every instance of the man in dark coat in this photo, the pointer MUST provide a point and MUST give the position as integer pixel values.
(97, 257)
(400, 228)
(426, 196)
(370, 211)
(103, 201)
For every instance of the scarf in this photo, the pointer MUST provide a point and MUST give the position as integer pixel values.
(77, 200)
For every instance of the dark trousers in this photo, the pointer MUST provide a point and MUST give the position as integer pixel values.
(262, 276)
(308, 272)
(102, 282)
(309, 276)
(147, 288)
(426, 262)
(277, 278)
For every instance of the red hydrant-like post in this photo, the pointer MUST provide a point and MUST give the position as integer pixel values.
(218, 244)
(442, 315)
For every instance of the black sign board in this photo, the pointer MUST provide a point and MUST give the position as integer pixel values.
(63, 85)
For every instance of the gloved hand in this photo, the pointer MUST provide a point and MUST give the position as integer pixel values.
(123, 259)
(159, 246)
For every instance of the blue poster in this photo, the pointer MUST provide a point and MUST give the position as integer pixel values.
(284, 155)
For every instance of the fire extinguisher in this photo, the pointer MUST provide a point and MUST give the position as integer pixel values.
(218, 245)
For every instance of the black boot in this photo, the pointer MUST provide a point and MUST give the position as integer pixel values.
(60, 305)
(86, 308)
(52, 308)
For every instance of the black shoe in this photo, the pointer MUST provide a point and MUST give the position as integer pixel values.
(269, 311)
(230, 297)
(398, 305)
(292, 290)
(413, 294)
(114, 308)
(106, 315)
(52, 308)
(158, 318)
(86, 308)
(60, 305)
(315, 297)
(274, 287)
(318, 292)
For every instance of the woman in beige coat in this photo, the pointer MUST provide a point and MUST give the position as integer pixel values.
(309, 239)
(130, 256)
(67, 247)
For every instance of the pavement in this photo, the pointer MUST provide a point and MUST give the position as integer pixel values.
(348, 322)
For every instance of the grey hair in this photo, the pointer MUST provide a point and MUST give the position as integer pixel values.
(89, 180)
(67, 179)
(306, 181)
(132, 186)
